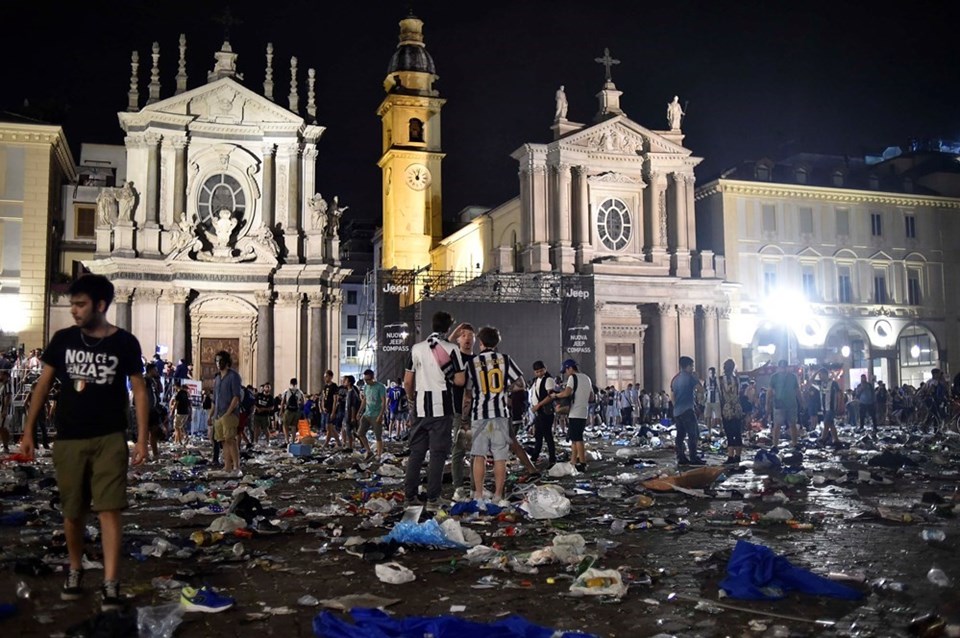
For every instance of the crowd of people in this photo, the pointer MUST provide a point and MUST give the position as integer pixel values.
(461, 400)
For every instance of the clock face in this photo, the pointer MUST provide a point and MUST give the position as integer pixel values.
(614, 225)
(418, 177)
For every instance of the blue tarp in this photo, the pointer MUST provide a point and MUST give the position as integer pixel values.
(756, 573)
(374, 623)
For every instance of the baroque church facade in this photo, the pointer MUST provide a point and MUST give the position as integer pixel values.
(217, 240)
(609, 203)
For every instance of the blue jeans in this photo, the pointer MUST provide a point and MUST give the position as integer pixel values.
(687, 428)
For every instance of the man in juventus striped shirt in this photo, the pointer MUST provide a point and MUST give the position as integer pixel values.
(489, 377)
(433, 368)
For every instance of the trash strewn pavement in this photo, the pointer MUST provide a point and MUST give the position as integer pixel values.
(633, 546)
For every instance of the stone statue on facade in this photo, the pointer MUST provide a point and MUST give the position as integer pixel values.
(126, 201)
(334, 213)
(183, 236)
(318, 212)
(107, 207)
(675, 114)
(561, 112)
(224, 225)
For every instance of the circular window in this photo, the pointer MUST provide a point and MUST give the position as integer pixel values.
(219, 192)
(614, 224)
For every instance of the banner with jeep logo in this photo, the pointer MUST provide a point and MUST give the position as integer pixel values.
(395, 329)
(577, 321)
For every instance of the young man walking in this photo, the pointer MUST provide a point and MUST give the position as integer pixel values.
(490, 376)
(433, 368)
(227, 392)
(579, 388)
(292, 410)
(543, 385)
(785, 403)
(92, 361)
(262, 413)
(373, 405)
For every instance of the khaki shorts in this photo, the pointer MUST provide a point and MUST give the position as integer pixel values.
(491, 436)
(369, 422)
(225, 427)
(291, 418)
(92, 474)
(180, 421)
(261, 422)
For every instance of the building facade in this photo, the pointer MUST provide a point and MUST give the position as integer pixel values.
(217, 238)
(841, 261)
(608, 205)
(35, 161)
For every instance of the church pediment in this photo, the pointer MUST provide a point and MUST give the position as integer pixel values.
(224, 101)
(620, 136)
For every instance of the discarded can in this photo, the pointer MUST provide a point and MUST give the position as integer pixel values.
(205, 539)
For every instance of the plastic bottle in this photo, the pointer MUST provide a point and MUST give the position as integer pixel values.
(935, 576)
(23, 590)
(618, 526)
(933, 535)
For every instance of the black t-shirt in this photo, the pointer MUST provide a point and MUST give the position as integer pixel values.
(93, 397)
(329, 394)
(263, 404)
(458, 389)
(182, 399)
(342, 401)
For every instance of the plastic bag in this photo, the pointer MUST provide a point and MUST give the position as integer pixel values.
(546, 501)
(599, 582)
(394, 573)
(561, 469)
(160, 621)
(427, 533)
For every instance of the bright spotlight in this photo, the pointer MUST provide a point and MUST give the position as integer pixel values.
(845, 351)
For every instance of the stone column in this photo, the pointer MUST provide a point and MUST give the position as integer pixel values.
(268, 198)
(526, 208)
(657, 211)
(317, 303)
(537, 252)
(581, 217)
(689, 181)
(150, 198)
(179, 298)
(669, 357)
(681, 262)
(561, 252)
(264, 299)
(711, 335)
(688, 343)
(288, 197)
(121, 304)
(179, 177)
(143, 320)
(723, 334)
(308, 168)
(334, 309)
(289, 338)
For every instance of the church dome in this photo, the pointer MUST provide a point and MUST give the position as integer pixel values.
(411, 53)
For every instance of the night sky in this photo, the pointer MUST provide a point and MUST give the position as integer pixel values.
(762, 78)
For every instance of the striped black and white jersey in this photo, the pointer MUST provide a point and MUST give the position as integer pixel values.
(489, 376)
(434, 393)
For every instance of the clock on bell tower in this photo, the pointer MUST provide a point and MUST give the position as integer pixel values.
(410, 162)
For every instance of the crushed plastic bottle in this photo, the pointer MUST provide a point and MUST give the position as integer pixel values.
(933, 535)
(935, 576)
(23, 590)
(617, 527)
(308, 601)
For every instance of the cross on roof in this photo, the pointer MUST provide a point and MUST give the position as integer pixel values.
(607, 62)
(227, 19)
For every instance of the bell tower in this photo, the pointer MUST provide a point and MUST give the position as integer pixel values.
(410, 162)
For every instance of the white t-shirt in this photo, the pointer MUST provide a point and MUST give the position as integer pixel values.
(582, 386)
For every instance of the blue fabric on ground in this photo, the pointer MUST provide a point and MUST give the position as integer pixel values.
(754, 572)
(374, 623)
(471, 507)
(425, 533)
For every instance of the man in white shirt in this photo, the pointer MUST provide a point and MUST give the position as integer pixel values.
(580, 388)
(433, 368)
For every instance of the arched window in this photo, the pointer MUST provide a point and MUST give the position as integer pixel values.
(220, 191)
(416, 130)
(614, 224)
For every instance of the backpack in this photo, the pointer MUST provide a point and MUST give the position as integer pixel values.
(246, 403)
(295, 400)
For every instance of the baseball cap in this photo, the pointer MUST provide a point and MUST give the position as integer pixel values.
(569, 363)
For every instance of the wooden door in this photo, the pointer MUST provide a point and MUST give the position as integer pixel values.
(208, 350)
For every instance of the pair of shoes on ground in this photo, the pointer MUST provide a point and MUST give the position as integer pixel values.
(204, 600)
(581, 467)
(110, 591)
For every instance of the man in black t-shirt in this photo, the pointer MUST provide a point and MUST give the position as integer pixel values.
(262, 413)
(92, 361)
(180, 406)
(327, 400)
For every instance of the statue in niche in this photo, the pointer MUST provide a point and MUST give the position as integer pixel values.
(224, 225)
(561, 97)
(674, 114)
(416, 130)
(335, 213)
(126, 200)
(318, 212)
(107, 207)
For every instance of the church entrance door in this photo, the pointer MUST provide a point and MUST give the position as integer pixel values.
(208, 349)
